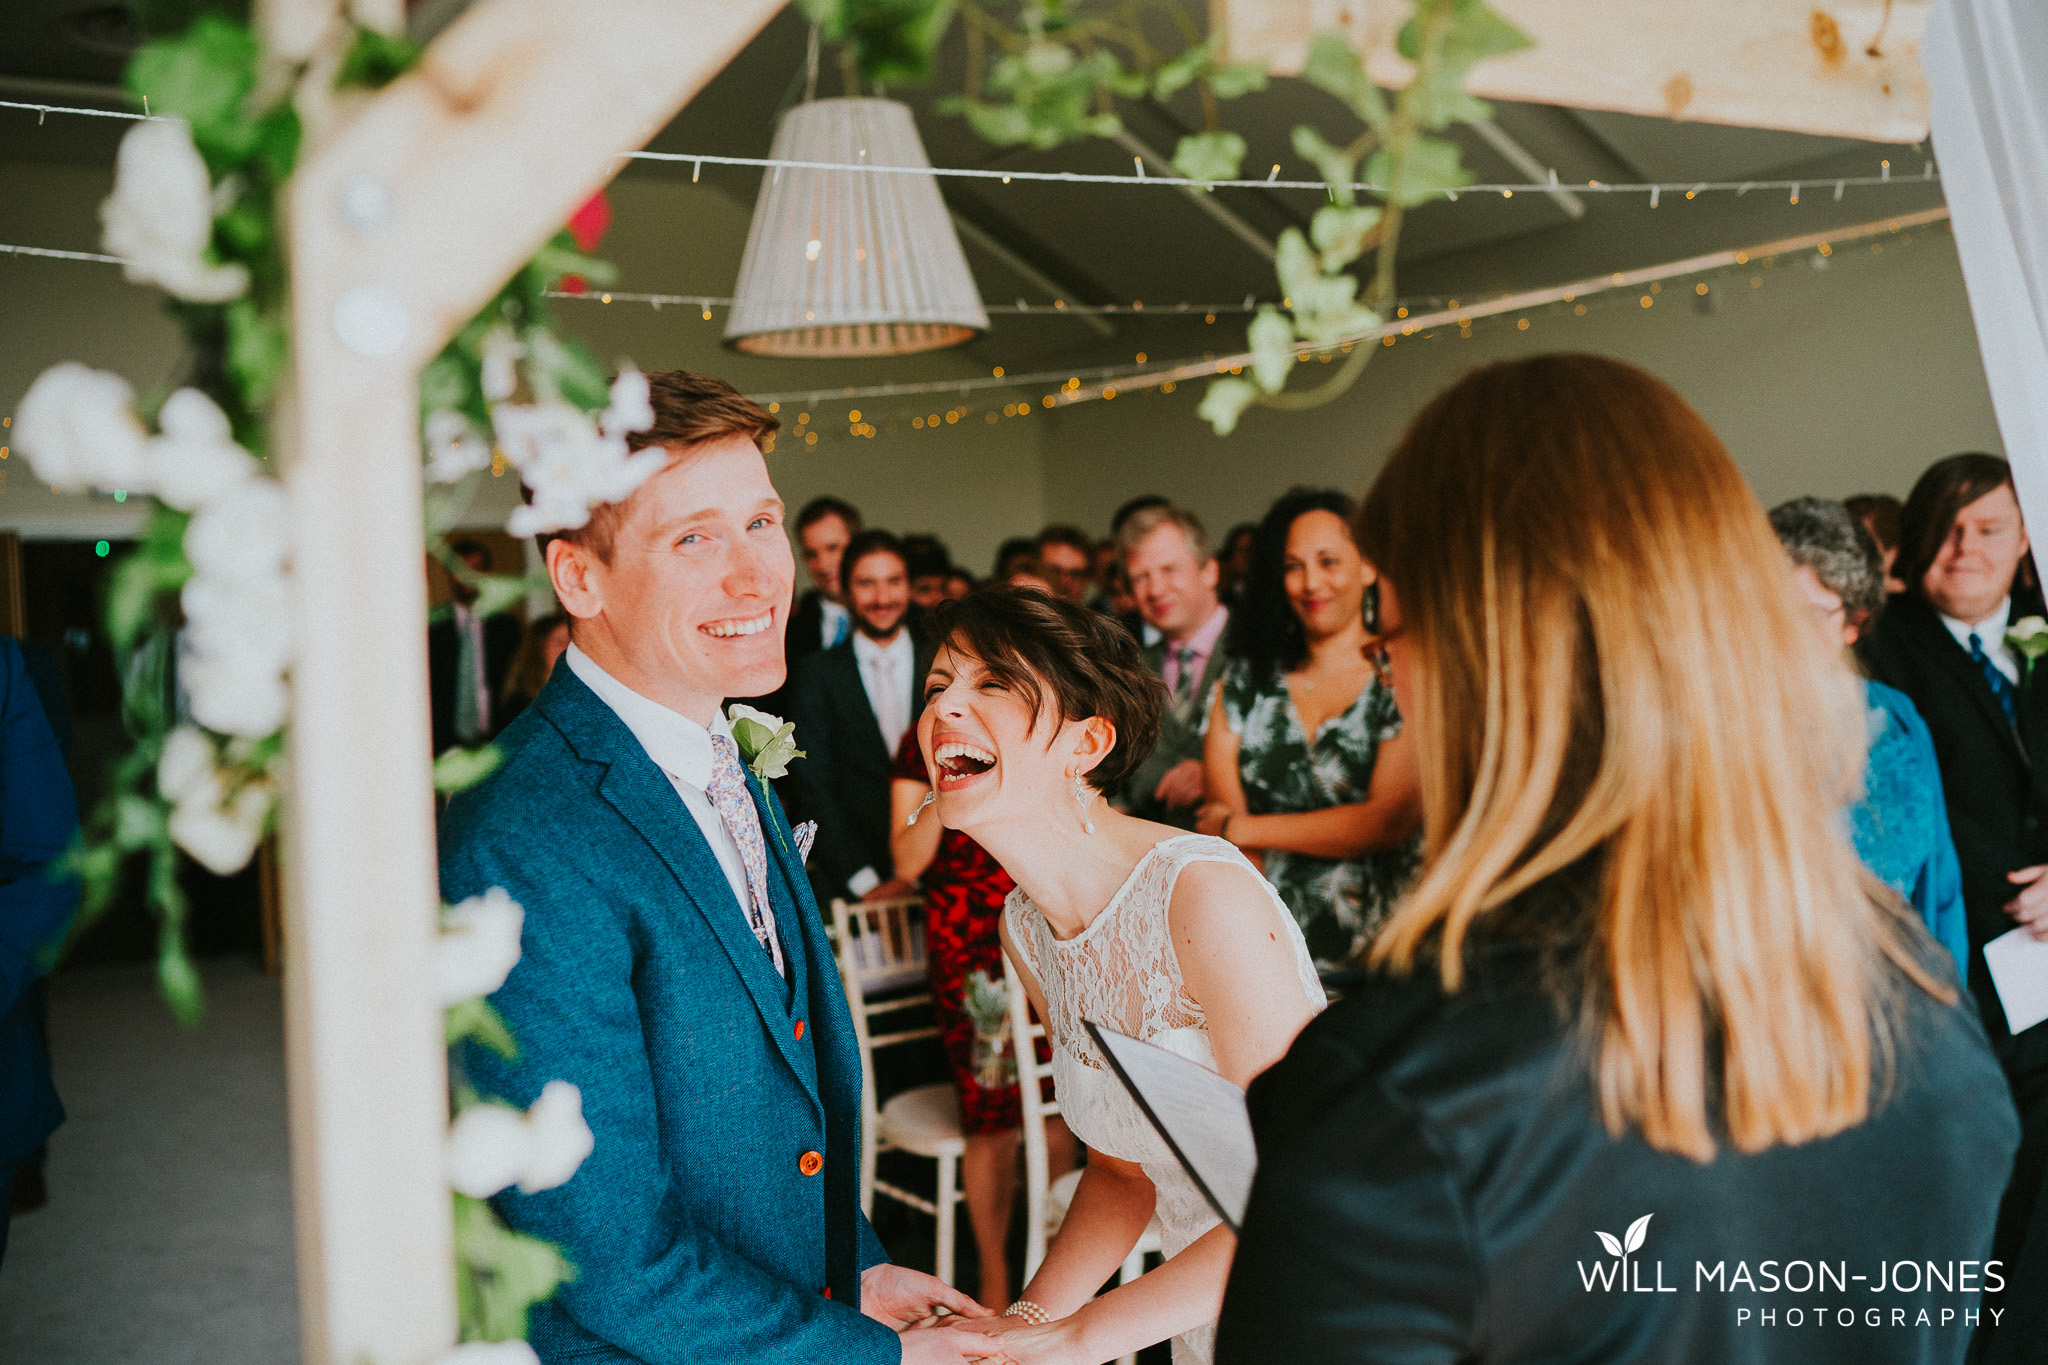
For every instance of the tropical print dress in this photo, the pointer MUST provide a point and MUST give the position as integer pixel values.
(1339, 903)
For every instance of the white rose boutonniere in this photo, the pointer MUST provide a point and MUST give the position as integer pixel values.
(2028, 638)
(766, 743)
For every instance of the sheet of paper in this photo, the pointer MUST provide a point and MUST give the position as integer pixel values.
(2019, 969)
(1201, 1116)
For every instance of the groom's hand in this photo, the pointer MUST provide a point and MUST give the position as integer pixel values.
(900, 1296)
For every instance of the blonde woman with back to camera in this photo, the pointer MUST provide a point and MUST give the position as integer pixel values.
(1645, 1023)
(1034, 708)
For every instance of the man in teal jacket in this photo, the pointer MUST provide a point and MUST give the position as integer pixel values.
(673, 964)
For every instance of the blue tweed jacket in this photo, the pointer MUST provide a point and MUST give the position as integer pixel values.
(703, 1227)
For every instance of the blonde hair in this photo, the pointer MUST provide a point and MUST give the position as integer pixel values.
(1609, 667)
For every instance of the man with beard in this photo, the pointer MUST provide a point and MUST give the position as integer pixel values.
(852, 704)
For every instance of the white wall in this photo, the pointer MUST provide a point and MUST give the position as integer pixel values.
(1845, 379)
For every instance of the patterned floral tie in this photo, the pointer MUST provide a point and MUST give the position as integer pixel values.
(729, 796)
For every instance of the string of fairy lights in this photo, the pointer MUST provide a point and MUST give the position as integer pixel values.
(1709, 277)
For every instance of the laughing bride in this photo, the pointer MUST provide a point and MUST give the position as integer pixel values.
(1033, 708)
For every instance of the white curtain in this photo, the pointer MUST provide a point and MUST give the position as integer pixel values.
(1987, 69)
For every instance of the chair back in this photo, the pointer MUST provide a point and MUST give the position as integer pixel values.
(881, 950)
(1038, 1101)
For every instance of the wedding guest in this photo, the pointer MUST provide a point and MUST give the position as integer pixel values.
(1067, 556)
(38, 822)
(959, 583)
(1131, 507)
(1900, 827)
(1879, 514)
(964, 891)
(1012, 552)
(1944, 642)
(1642, 997)
(467, 658)
(1304, 761)
(851, 704)
(820, 619)
(1035, 709)
(929, 562)
(673, 966)
(1235, 559)
(1173, 579)
(544, 642)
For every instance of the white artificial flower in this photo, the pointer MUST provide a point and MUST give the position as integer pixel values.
(235, 700)
(561, 1139)
(489, 1353)
(77, 427)
(454, 451)
(487, 1146)
(245, 534)
(185, 765)
(221, 833)
(501, 352)
(247, 621)
(478, 947)
(492, 1145)
(739, 711)
(568, 463)
(632, 407)
(159, 219)
(196, 459)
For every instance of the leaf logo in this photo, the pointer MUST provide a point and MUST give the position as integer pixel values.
(1630, 1241)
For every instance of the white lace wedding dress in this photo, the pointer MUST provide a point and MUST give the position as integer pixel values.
(1122, 971)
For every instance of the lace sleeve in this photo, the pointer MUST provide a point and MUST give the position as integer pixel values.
(1016, 917)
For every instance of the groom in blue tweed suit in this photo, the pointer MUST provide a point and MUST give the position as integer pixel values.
(674, 965)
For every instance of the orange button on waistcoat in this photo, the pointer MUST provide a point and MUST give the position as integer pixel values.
(799, 1030)
(810, 1163)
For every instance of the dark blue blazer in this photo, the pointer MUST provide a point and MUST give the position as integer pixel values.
(697, 1233)
(38, 820)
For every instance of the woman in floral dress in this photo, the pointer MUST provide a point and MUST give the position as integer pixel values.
(964, 891)
(1306, 768)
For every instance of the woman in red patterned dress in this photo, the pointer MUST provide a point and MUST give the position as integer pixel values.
(964, 890)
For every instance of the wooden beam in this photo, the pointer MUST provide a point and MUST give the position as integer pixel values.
(1839, 68)
(410, 212)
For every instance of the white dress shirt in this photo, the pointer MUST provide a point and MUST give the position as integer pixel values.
(681, 748)
(885, 674)
(833, 622)
(1991, 633)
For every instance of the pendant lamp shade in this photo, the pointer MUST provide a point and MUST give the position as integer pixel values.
(851, 263)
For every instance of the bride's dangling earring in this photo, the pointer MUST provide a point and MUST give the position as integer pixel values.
(1084, 795)
(929, 797)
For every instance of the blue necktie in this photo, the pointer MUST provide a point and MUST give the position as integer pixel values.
(2001, 686)
(841, 628)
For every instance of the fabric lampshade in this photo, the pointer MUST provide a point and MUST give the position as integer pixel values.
(851, 263)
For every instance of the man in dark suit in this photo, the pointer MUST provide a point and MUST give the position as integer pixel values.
(1172, 573)
(468, 657)
(673, 966)
(1943, 643)
(821, 620)
(852, 704)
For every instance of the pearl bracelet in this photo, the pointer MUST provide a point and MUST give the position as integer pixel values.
(1030, 1312)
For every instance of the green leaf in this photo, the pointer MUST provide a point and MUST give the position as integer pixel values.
(1337, 167)
(1003, 124)
(1334, 67)
(894, 41)
(375, 59)
(179, 979)
(1296, 264)
(1340, 233)
(1231, 82)
(1430, 167)
(257, 349)
(498, 592)
(1176, 75)
(474, 1021)
(1225, 402)
(461, 768)
(203, 77)
(500, 1274)
(139, 821)
(1272, 341)
(1209, 156)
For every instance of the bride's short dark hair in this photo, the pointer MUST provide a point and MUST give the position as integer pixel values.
(1084, 663)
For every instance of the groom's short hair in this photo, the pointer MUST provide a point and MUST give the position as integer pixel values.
(689, 409)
